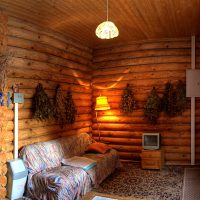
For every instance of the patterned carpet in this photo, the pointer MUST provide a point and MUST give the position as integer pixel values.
(132, 181)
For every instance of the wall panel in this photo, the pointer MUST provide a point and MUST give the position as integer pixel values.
(42, 57)
(144, 65)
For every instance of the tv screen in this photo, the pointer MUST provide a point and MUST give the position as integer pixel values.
(151, 140)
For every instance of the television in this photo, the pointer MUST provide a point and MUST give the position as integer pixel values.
(151, 141)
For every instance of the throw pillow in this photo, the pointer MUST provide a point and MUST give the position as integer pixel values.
(98, 147)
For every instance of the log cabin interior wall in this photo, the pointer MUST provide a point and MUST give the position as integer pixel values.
(143, 65)
(43, 56)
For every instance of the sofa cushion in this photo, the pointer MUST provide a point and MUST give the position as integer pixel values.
(98, 147)
(43, 155)
(66, 183)
(106, 163)
(75, 145)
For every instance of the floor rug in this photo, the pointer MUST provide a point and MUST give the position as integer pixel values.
(132, 181)
(92, 194)
(191, 188)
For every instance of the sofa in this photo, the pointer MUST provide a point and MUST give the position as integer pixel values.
(49, 179)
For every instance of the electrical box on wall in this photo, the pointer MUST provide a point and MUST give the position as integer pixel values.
(18, 98)
(192, 83)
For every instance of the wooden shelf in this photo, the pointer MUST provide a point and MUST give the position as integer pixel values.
(152, 159)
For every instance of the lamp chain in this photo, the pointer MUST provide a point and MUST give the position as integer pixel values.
(107, 10)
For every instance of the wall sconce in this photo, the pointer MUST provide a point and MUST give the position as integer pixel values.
(101, 104)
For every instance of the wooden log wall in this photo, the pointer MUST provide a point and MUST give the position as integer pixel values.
(3, 111)
(43, 56)
(143, 65)
(197, 108)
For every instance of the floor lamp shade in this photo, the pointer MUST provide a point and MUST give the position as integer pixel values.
(102, 103)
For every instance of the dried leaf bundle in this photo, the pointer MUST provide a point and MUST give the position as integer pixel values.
(180, 97)
(174, 100)
(127, 104)
(152, 107)
(70, 109)
(60, 111)
(4, 61)
(42, 106)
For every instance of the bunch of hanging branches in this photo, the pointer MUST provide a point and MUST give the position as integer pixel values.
(4, 62)
(70, 109)
(42, 105)
(152, 107)
(174, 100)
(60, 111)
(127, 104)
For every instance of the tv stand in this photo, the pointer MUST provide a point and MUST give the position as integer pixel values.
(152, 159)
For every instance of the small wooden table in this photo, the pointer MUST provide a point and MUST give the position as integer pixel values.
(152, 159)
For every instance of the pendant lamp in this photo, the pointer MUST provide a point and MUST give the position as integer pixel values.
(107, 29)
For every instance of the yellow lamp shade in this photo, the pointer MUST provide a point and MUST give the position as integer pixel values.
(102, 103)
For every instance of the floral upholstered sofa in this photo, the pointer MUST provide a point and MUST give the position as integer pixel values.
(48, 179)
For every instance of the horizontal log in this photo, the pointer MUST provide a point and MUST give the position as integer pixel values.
(5, 156)
(118, 134)
(73, 69)
(139, 127)
(145, 60)
(129, 156)
(176, 149)
(42, 57)
(126, 148)
(128, 141)
(133, 134)
(121, 84)
(28, 103)
(32, 123)
(142, 54)
(164, 43)
(144, 45)
(14, 22)
(135, 76)
(44, 37)
(45, 138)
(30, 83)
(3, 180)
(141, 68)
(7, 147)
(177, 156)
(77, 131)
(28, 136)
(3, 169)
(117, 92)
(141, 120)
(41, 75)
(29, 93)
(3, 192)
(173, 142)
(28, 114)
(47, 48)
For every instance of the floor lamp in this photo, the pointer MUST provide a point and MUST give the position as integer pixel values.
(101, 104)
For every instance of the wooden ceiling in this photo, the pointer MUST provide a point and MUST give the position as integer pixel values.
(135, 19)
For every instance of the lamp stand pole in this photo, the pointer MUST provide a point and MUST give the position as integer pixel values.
(98, 127)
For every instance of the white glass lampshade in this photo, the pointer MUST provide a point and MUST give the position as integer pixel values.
(107, 30)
